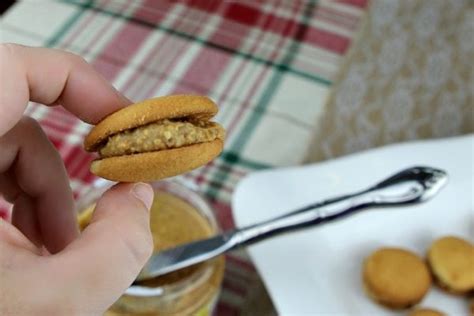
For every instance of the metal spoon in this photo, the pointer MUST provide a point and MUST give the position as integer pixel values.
(410, 186)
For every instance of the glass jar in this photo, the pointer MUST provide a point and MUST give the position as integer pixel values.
(191, 291)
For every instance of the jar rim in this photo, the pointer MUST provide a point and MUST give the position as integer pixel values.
(190, 196)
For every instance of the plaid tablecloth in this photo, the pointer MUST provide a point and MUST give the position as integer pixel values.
(267, 64)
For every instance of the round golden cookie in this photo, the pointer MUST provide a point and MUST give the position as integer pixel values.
(156, 139)
(451, 260)
(425, 312)
(396, 278)
(146, 167)
(148, 111)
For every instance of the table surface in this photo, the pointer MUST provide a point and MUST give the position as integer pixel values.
(268, 65)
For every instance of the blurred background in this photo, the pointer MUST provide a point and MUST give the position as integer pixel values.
(295, 81)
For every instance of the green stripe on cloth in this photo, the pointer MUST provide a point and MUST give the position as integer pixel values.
(273, 85)
(262, 104)
(53, 40)
(284, 67)
(230, 158)
(234, 158)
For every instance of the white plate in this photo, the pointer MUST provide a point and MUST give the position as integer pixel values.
(317, 271)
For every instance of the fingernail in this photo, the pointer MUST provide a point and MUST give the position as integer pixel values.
(122, 97)
(144, 193)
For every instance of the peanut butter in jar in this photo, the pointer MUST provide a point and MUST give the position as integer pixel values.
(178, 215)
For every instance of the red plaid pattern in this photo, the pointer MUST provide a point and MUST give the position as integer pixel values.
(239, 53)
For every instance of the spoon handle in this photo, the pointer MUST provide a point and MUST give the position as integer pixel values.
(410, 186)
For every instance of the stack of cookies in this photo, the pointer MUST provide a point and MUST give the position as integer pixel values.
(399, 279)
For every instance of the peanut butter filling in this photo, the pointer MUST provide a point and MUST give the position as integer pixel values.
(161, 135)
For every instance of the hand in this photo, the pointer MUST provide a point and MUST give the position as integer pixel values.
(85, 273)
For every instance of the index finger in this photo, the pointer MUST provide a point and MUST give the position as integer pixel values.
(52, 77)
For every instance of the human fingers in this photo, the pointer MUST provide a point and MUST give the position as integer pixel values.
(109, 254)
(39, 175)
(51, 77)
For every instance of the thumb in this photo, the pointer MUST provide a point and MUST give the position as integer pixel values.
(111, 251)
